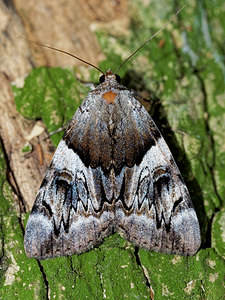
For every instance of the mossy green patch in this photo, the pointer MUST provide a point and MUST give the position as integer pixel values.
(218, 233)
(176, 277)
(50, 94)
(21, 277)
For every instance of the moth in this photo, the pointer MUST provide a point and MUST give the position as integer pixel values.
(111, 172)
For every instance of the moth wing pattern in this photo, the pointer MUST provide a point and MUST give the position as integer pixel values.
(66, 218)
(161, 216)
(154, 210)
(112, 171)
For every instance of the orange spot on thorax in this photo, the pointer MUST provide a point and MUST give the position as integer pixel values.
(109, 96)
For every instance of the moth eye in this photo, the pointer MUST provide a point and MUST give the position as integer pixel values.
(118, 79)
(102, 79)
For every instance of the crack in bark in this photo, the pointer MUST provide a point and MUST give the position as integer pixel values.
(139, 264)
(12, 179)
(3, 258)
(44, 278)
(2, 242)
(74, 271)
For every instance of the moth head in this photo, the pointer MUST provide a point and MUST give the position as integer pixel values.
(108, 76)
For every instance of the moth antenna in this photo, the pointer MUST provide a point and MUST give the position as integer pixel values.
(142, 45)
(65, 52)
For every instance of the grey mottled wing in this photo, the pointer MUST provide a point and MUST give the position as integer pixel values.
(69, 215)
(156, 212)
(154, 209)
(112, 171)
